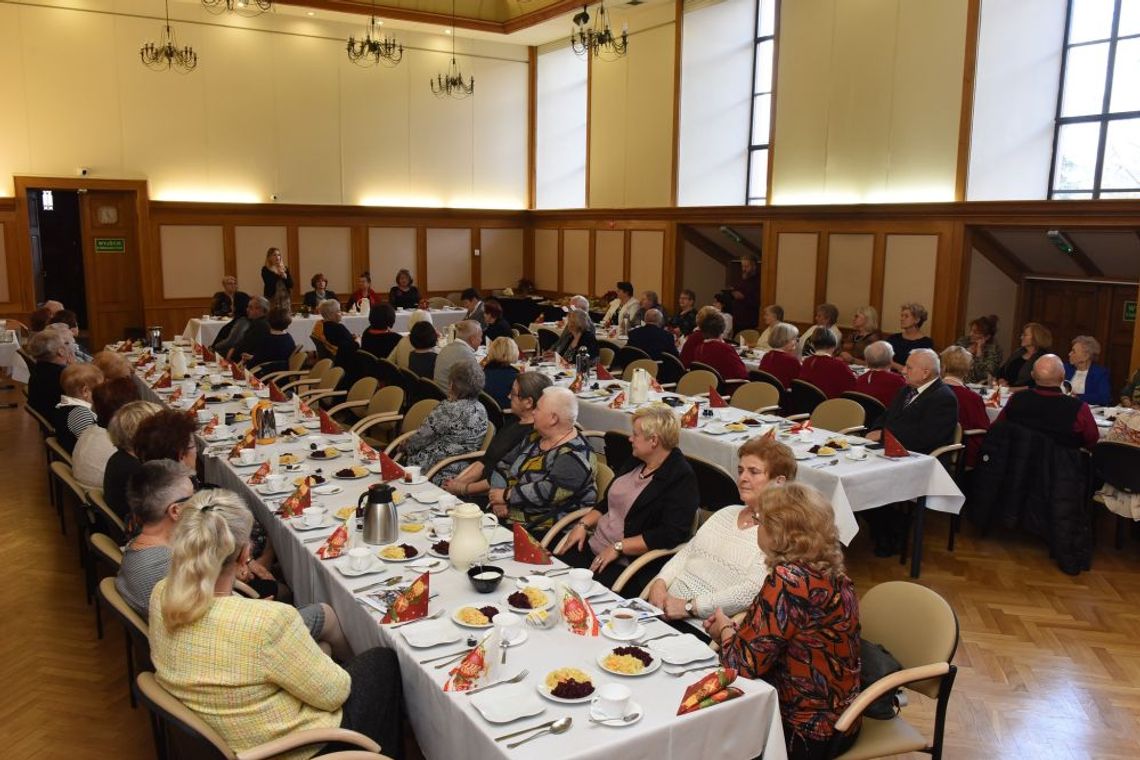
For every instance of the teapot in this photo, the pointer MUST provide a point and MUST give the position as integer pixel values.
(639, 387)
(468, 541)
(381, 523)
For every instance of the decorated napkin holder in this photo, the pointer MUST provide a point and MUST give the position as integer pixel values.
(528, 550)
(412, 604)
(476, 667)
(580, 617)
(709, 691)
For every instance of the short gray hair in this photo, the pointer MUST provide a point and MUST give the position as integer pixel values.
(260, 301)
(782, 334)
(1091, 344)
(564, 403)
(879, 354)
(157, 485)
(579, 319)
(468, 328)
(419, 315)
(466, 379)
(654, 317)
(45, 344)
(931, 357)
(580, 302)
(531, 386)
(328, 308)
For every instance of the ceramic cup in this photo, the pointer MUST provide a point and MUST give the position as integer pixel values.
(313, 515)
(413, 472)
(509, 625)
(442, 526)
(360, 558)
(277, 481)
(204, 416)
(623, 622)
(248, 456)
(612, 700)
(581, 579)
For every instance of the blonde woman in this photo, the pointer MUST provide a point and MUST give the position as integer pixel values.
(248, 667)
(499, 372)
(803, 627)
(650, 504)
(864, 332)
(275, 278)
(123, 463)
(403, 349)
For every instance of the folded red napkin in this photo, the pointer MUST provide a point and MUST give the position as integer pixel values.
(198, 405)
(210, 426)
(709, 691)
(298, 501)
(336, 543)
(127, 346)
(691, 416)
(892, 447)
(238, 372)
(619, 401)
(164, 380)
(176, 395)
(198, 348)
(771, 433)
(275, 393)
(143, 359)
(603, 373)
(995, 399)
(306, 412)
(389, 470)
(465, 675)
(578, 614)
(256, 384)
(328, 427)
(654, 385)
(258, 477)
(248, 441)
(576, 384)
(801, 426)
(365, 452)
(716, 401)
(207, 354)
(223, 363)
(412, 604)
(527, 550)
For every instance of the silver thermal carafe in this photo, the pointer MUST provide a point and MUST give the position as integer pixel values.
(381, 524)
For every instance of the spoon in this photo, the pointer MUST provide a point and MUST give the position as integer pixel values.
(560, 726)
(624, 719)
(523, 674)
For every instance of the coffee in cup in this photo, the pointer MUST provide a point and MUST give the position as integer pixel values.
(581, 579)
(623, 622)
(612, 700)
(360, 558)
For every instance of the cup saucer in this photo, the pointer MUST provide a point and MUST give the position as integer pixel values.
(609, 633)
(635, 713)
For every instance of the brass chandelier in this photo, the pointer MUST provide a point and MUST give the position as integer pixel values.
(375, 47)
(165, 54)
(597, 40)
(450, 84)
(240, 7)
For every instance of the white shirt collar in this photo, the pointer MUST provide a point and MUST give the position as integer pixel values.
(65, 400)
(925, 385)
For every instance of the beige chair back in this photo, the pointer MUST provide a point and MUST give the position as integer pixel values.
(297, 359)
(96, 499)
(488, 436)
(387, 400)
(914, 623)
(318, 370)
(751, 337)
(439, 302)
(606, 356)
(330, 379)
(138, 628)
(837, 414)
(362, 390)
(526, 343)
(57, 450)
(754, 396)
(648, 365)
(169, 709)
(696, 381)
(417, 414)
(603, 477)
(62, 470)
(105, 547)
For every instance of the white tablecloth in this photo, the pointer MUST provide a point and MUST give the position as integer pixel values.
(11, 360)
(446, 725)
(205, 330)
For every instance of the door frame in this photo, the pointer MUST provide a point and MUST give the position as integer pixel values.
(24, 183)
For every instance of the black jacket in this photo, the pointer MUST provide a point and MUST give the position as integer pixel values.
(43, 388)
(663, 513)
(313, 301)
(1024, 480)
(653, 340)
(927, 423)
(408, 300)
(224, 306)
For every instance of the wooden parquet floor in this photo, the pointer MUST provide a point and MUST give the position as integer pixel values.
(1049, 665)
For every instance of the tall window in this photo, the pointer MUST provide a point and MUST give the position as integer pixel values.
(762, 65)
(1096, 148)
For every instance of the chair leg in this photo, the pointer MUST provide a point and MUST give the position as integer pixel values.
(940, 712)
(919, 519)
(955, 523)
(1120, 528)
(98, 619)
(130, 669)
(159, 732)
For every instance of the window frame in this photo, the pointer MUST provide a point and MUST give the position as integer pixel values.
(1103, 118)
(753, 148)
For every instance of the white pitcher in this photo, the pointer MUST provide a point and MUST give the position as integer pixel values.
(177, 363)
(468, 542)
(639, 387)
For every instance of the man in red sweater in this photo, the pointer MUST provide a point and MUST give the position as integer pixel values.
(823, 370)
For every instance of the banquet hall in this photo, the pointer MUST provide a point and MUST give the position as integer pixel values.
(537, 180)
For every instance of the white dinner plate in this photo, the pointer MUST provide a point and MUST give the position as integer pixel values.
(608, 632)
(434, 553)
(651, 667)
(681, 650)
(346, 570)
(540, 687)
(802, 455)
(425, 497)
(327, 489)
(455, 618)
(322, 458)
(349, 477)
(507, 703)
(635, 714)
(418, 555)
(525, 611)
(266, 490)
(298, 523)
(257, 462)
(430, 565)
(311, 424)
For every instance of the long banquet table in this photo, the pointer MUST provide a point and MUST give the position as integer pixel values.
(205, 330)
(11, 360)
(446, 725)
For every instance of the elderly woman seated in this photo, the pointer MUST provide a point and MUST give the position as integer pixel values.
(113, 365)
(74, 414)
(783, 361)
(333, 337)
(1088, 380)
(824, 370)
(403, 349)
(249, 668)
(424, 349)
(123, 463)
(499, 371)
(553, 472)
(474, 482)
(276, 347)
(457, 426)
(650, 504)
(579, 332)
(803, 627)
(880, 381)
(93, 449)
(826, 315)
(722, 566)
(715, 352)
(972, 415)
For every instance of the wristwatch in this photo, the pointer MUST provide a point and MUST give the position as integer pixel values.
(618, 546)
(688, 606)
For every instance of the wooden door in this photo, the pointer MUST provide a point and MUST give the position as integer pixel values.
(111, 260)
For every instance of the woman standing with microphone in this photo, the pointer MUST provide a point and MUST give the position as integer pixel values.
(277, 280)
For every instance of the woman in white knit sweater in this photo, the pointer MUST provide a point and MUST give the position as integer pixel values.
(722, 566)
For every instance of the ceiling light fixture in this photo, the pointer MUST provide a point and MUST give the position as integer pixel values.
(241, 7)
(451, 84)
(597, 40)
(165, 54)
(375, 47)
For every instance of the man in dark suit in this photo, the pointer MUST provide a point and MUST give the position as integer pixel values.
(244, 334)
(652, 338)
(229, 301)
(922, 417)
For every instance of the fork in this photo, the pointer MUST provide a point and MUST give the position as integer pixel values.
(690, 670)
(432, 616)
(825, 464)
(516, 679)
(643, 642)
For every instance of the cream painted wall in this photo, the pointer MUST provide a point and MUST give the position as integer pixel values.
(4, 294)
(193, 260)
(868, 100)
(546, 259)
(990, 291)
(849, 272)
(501, 258)
(646, 253)
(609, 260)
(449, 258)
(327, 250)
(908, 277)
(631, 114)
(391, 249)
(250, 245)
(795, 274)
(702, 274)
(280, 110)
(576, 261)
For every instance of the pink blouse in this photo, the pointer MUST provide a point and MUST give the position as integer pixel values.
(623, 493)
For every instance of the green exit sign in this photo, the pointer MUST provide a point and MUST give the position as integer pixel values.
(1129, 311)
(119, 245)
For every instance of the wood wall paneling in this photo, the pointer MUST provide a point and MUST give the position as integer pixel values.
(4, 294)
(849, 272)
(546, 259)
(250, 245)
(391, 249)
(327, 250)
(192, 258)
(795, 275)
(909, 277)
(449, 258)
(609, 260)
(576, 261)
(647, 258)
(501, 257)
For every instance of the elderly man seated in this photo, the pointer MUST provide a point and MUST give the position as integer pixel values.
(554, 469)
(649, 300)
(1067, 420)
(229, 301)
(922, 416)
(246, 332)
(332, 336)
(652, 337)
(468, 337)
